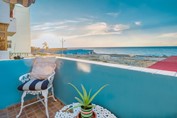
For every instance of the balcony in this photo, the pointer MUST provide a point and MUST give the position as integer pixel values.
(12, 27)
(132, 92)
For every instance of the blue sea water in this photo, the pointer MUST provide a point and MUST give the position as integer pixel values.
(144, 51)
(76, 52)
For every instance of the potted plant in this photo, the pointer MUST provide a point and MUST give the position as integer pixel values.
(85, 101)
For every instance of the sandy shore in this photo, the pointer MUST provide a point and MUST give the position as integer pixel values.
(133, 60)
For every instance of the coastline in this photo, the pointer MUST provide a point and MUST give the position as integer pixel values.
(133, 56)
(132, 60)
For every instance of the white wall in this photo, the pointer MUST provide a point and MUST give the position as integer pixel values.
(12, 27)
(4, 12)
(21, 40)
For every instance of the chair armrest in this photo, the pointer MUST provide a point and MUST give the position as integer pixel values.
(51, 77)
(25, 77)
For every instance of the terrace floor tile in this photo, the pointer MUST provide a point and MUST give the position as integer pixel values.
(36, 110)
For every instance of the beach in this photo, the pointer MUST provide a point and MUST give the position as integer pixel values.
(131, 60)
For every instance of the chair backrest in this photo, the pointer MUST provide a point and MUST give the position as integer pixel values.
(43, 67)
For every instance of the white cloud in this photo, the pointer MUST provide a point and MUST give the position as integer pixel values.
(113, 14)
(168, 35)
(104, 27)
(61, 25)
(84, 19)
(68, 29)
(51, 26)
(54, 26)
(100, 28)
(120, 27)
(51, 39)
(91, 34)
(138, 23)
(97, 27)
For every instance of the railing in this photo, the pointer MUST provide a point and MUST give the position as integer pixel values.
(12, 54)
(131, 92)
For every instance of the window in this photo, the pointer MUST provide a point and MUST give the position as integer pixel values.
(9, 44)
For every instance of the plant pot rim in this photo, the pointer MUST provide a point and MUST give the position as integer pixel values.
(82, 107)
(79, 115)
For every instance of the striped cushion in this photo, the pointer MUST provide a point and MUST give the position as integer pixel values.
(34, 85)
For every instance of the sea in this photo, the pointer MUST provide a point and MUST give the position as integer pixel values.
(144, 51)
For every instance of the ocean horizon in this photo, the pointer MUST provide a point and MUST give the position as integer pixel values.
(143, 51)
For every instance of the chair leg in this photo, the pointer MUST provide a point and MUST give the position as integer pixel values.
(45, 94)
(22, 103)
(38, 97)
(53, 94)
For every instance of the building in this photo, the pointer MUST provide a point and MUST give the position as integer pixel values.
(20, 42)
(14, 28)
(5, 21)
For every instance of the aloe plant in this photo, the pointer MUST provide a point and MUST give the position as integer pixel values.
(85, 96)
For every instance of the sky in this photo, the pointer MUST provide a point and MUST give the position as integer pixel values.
(104, 23)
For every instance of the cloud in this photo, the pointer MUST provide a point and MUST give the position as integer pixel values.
(168, 35)
(62, 25)
(100, 28)
(104, 27)
(85, 19)
(113, 14)
(73, 29)
(50, 38)
(91, 34)
(97, 27)
(52, 26)
(120, 27)
(138, 23)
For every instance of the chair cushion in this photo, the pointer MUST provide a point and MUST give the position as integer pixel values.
(34, 85)
(43, 67)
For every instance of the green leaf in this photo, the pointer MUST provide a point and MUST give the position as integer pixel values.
(89, 93)
(79, 105)
(91, 99)
(85, 93)
(91, 106)
(77, 90)
(79, 100)
(88, 98)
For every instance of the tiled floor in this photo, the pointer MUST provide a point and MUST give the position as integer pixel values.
(36, 110)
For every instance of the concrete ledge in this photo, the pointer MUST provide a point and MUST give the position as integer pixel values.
(141, 69)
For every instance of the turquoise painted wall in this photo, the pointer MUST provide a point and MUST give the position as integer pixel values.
(130, 94)
(10, 72)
